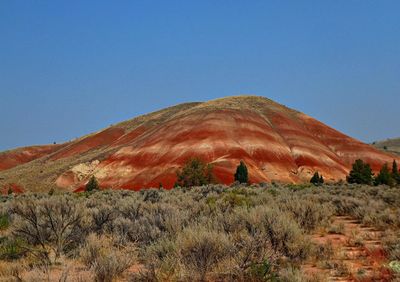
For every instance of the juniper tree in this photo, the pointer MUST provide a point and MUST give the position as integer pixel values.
(384, 177)
(361, 173)
(317, 179)
(395, 172)
(92, 184)
(241, 174)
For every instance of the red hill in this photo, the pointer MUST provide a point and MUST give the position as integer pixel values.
(277, 144)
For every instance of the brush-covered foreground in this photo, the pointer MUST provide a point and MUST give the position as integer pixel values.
(209, 233)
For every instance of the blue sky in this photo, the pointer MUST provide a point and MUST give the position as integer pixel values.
(68, 68)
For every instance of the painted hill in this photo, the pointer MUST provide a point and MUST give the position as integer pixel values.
(277, 143)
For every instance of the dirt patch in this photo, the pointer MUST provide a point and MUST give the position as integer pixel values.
(355, 253)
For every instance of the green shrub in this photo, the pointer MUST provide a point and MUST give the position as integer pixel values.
(4, 221)
(11, 249)
(262, 272)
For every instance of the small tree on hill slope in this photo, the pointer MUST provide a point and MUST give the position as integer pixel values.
(395, 172)
(241, 174)
(384, 177)
(92, 185)
(317, 179)
(361, 173)
(195, 172)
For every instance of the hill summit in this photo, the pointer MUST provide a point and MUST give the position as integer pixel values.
(277, 144)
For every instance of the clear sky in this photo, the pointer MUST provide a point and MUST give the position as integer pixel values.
(68, 68)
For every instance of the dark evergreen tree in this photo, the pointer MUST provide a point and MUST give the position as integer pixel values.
(395, 172)
(92, 185)
(241, 174)
(317, 179)
(384, 177)
(361, 173)
(195, 172)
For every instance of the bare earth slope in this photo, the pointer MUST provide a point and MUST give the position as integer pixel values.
(12, 158)
(277, 144)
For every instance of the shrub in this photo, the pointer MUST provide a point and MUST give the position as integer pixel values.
(253, 255)
(4, 221)
(53, 224)
(261, 272)
(101, 217)
(391, 244)
(106, 260)
(195, 172)
(308, 213)
(361, 173)
(282, 232)
(241, 174)
(200, 250)
(146, 222)
(11, 249)
(161, 261)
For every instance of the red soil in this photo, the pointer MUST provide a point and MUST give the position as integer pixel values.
(20, 156)
(15, 188)
(97, 140)
(277, 144)
(363, 261)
